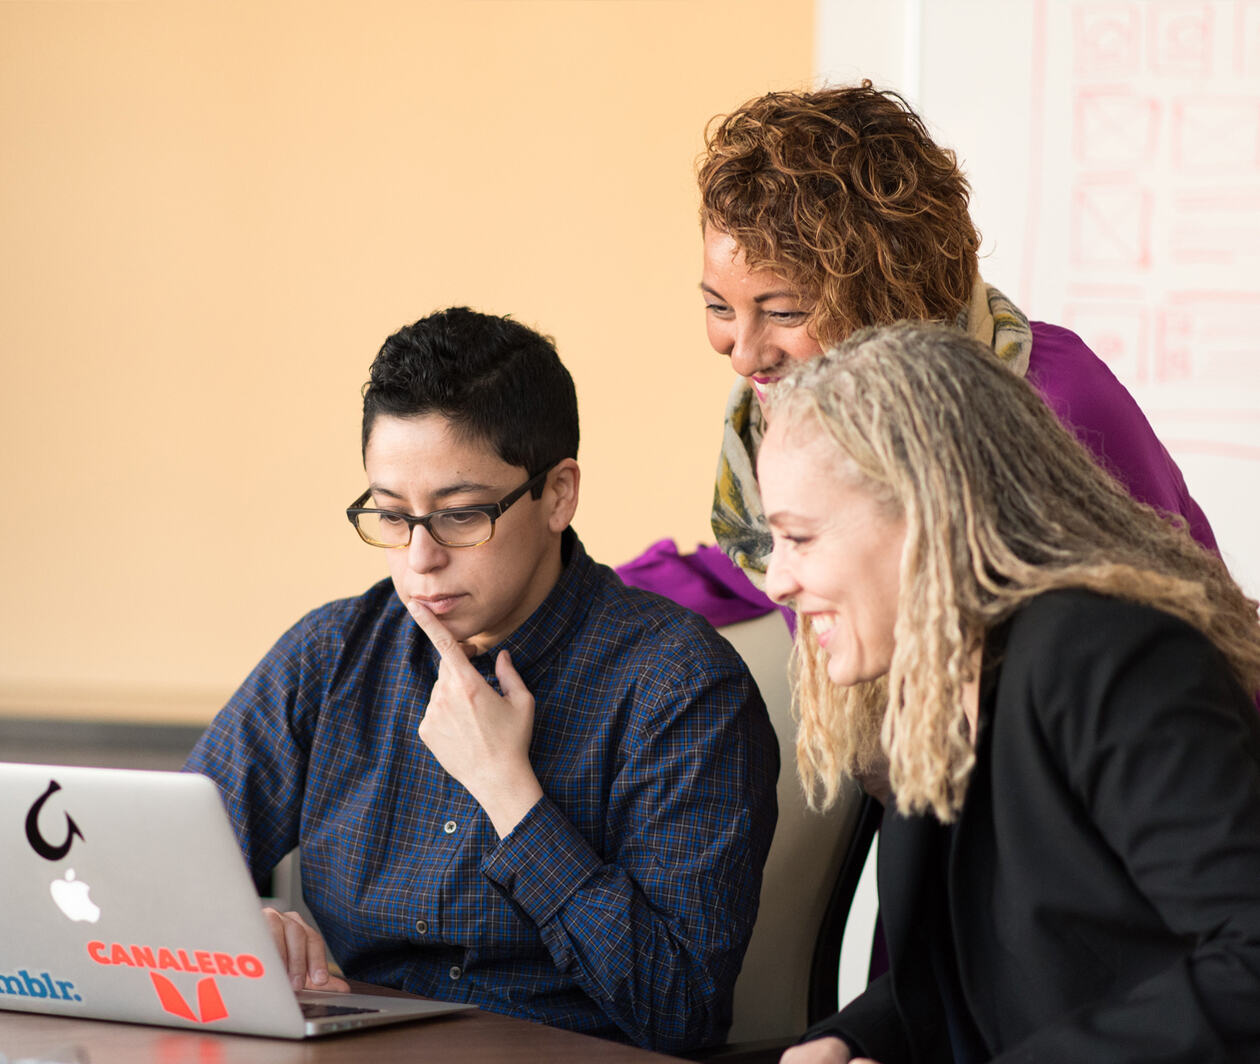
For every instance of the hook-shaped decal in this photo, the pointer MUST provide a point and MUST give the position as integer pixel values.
(40, 844)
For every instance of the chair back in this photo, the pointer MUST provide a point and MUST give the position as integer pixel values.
(773, 992)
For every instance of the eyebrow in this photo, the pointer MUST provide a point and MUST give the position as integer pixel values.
(781, 516)
(764, 297)
(441, 493)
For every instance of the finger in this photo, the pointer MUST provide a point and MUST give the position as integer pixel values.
(275, 925)
(294, 950)
(318, 976)
(440, 636)
(316, 955)
(510, 682)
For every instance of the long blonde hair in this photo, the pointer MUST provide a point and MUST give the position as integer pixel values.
(1001, 503)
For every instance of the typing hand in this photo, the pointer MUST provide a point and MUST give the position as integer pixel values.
(480, 737)
(302, 951)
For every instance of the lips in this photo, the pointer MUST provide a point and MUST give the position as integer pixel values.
(762, 385)
(439, 604)
(823, 624)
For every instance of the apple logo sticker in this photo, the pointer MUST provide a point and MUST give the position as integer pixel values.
(71, 896)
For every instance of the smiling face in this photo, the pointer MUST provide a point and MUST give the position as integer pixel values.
(753, 315)
(482, 594)
(837, 548)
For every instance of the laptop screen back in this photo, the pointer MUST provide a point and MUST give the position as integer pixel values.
(126, 898)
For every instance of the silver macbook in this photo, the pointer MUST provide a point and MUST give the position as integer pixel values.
(124, 896)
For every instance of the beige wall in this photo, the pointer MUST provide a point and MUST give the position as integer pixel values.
(210, 217)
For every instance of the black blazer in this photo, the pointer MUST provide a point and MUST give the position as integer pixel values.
(1103, 877)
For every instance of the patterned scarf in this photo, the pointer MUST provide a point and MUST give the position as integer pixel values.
(739, 523)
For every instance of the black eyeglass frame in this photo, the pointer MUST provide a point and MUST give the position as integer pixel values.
(493, 510)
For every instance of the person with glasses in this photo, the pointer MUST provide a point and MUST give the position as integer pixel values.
(515, 782)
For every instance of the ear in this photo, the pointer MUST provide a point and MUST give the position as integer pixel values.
(561, 494)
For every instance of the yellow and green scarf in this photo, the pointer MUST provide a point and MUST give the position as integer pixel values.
(739, 523)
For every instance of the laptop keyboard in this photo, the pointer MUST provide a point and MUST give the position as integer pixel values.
(312, 1011)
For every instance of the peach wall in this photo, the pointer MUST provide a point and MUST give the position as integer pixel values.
(211, 215)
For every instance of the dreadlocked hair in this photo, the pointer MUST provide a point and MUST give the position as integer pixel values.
(1001, 503)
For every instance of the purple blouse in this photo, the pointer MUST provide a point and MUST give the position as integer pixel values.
(1075, 383)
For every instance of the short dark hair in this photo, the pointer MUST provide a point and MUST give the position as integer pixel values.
(495, 379)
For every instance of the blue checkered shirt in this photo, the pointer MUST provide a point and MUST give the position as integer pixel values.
(620, 905)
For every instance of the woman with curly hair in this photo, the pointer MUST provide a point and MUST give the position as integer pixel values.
(1060, 682)
(827, 211)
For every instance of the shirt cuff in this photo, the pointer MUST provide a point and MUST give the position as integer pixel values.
(541, 862)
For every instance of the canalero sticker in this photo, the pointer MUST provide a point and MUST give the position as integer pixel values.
(209, 1005)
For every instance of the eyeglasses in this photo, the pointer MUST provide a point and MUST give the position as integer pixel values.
(459, 526)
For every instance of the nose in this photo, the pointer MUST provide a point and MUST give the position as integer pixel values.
(781, 584)
(751, 352)
(424, 553)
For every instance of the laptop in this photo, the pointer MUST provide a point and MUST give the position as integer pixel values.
(126, 897)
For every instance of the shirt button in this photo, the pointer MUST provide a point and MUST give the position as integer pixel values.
(449, 827)
(422, 926)
(456, 971)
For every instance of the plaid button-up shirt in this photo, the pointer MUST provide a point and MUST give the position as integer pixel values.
(621, 905)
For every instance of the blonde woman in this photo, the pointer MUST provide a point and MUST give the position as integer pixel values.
(1060, 681)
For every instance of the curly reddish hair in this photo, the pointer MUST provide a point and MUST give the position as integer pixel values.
(843, 194)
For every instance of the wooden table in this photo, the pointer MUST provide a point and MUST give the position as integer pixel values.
(483, 1037)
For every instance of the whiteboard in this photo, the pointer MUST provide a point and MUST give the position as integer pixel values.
(1114, 152)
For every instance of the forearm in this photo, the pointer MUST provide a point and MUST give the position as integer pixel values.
(254, 794)
(251, 753)
(662, 968)
(869, 1025)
